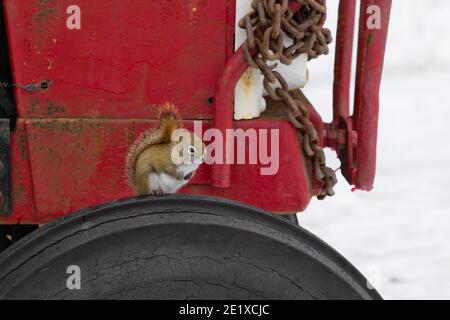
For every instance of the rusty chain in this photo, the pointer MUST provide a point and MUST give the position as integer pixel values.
(269, 26)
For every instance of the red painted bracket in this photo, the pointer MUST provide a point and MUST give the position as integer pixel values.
(358, 154)
(223, 112)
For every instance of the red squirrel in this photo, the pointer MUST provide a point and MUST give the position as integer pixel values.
(162, 161)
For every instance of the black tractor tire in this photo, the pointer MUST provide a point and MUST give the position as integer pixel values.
(176, 247)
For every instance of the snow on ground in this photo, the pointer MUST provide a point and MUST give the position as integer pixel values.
(398, 235)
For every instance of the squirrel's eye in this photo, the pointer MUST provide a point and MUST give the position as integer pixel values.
(191, 150)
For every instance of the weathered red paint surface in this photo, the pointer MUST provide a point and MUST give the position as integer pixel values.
(128, 56)
(77, 163)
(22, 187)
(68, 150)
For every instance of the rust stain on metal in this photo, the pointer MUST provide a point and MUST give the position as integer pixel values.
(76, 146)
(130, 134)
(370, 39)
(61, 125)
(46, 9)
(34, 107)
(247, 81)
(18, 193)
(22, 140)
(53, 109)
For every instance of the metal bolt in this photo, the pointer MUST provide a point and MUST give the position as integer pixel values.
(45, 85)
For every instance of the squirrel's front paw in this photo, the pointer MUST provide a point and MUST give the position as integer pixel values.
(157, 192)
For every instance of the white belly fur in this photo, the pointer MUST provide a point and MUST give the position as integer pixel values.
(167, 183)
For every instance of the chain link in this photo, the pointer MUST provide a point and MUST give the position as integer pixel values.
(269, 26)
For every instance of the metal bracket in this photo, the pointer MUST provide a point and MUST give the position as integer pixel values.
(5, 168)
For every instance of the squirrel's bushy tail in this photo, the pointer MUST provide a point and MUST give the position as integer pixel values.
(169, 121)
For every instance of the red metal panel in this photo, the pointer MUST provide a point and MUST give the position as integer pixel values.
(77, 163)
(128, 56)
